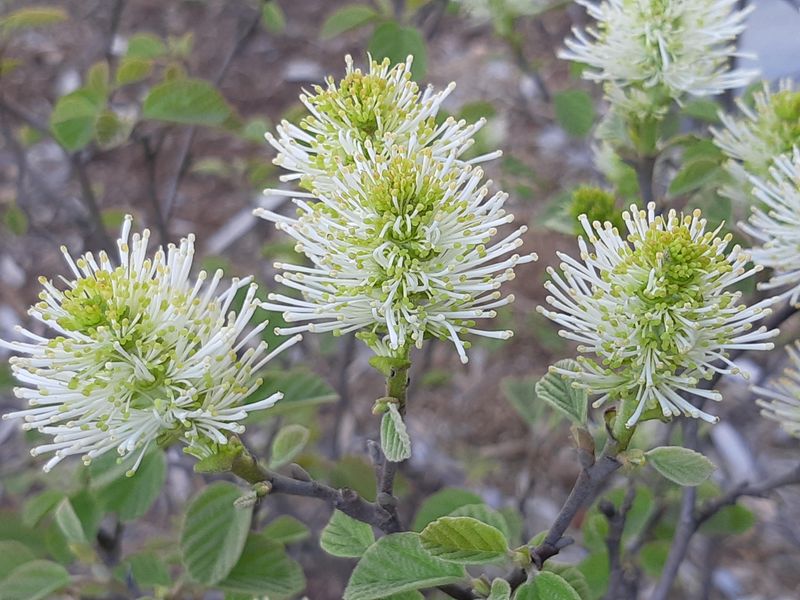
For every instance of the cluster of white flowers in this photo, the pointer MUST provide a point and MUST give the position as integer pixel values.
(401, 237)
(655, 308)
(781, 401)
(142, 353)
(661, 50)
(775, 223)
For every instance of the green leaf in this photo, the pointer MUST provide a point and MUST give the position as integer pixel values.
(441, 504)
(214, 533)
(653, 557)
(69, 523)
(681, 465)
(574, 112)
(289, 442)
(272, 17)
(595, 569)
(12, 555)
(398, 563)
(147, 570)
(187, 101)
(111, 130)
(145, 46)
(693, 175)
(573, 577)
(28, 18)
(395, 42)
(501, 590)
(346, 18)
(285, 529)
(301, 388)
(133, 69)
(519, 393)
(264, 569)
(345, 536)
(464, 540)
(558, 392)
(128, 497)
(730, 520)
(73, 118)
(34, 580)
(394, 438)
(484, 514)
(546, 586)
(97, 78)
(15, 219)
(702, 110)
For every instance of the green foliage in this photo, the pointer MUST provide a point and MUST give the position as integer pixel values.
(301, 388)
(72, 121)
(29, 18)
(345, 536)
(285, 530)
(519, 393)
(441, 504)
(272, 17)
(12, 555)
(501, 590)
(680, 465)
(288, 443)
(214, 533)
(395, 42)
(546, 586)
(132, 69)
(112, 130)
(484, 514)
(702, 109)
(653, 557)
(128, 497)
(574, 112)
(34, 580)
(559, 393)
(145, 46)
(15, 220)
(186, 101)
(146, 568)
(264, 569)
(395, 441)
(464, 540)
(573, 576)
(693, 175)
(398, 563)
(730, 520)
(347, 18)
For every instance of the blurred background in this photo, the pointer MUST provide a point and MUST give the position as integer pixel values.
(94, 126)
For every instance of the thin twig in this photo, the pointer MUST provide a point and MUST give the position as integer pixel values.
(90, 201)
(621, 584)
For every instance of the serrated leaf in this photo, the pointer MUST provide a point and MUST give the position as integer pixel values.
(214, 533)
(264, 569)
(464, 540)
(546, 586)
(285, 529)
(680, 465)
(574, 112)
(27, 18)
(347, 18)
(394, 437)
(301, 388)
(441, 504)
(272, 17)
(73, 118)
(484, 514)
(558, 392)
(132, 69)
(34, 580)
(395, 42)
(693, 175)
(12, 555)
(187, 101)
(146, 46)
(397, 563)
(346, 537)
(128, 497)
(288, 443)
(501, 590)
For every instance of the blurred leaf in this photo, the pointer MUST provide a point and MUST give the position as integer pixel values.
(574, 112)
(285, 529)
(301, 388)
(519, 393)
(558, 392)
(12, 555)
(595, 569)
(214, 533)
(132, 69)
(9, 65)
(288, 443)
(15, 219)
(255, 129)
(398, 563)
(12, 528)
(395, 442)
(441, 504)
(680, 465)
(464, 540)
(145, 46)
(73, 118)
(187, 101)
(128, 497)
(730, 520)
(573, 576)
(356, 473)
(27, 18)
(97, 78)
(146, 568)
(69, 523)
(111, 130)
(693, 175)
(34, 580)
(347, 18)
(546, 586)
(653, 556)
(272, 17)
(38, 506)
(703, 110)
(557, 216)
(474, 111)
(395, 42)
(264, 569)
(181, 46)
(346, 537)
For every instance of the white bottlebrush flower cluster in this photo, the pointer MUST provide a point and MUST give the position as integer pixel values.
(666, 49)
(655, 309)
(775, 223)
(142, 353)
(768, 129)
(781, 400)
(401, 239)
